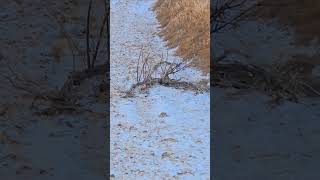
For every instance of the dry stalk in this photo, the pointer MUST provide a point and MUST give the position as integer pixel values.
(87, 36)
(74, 47)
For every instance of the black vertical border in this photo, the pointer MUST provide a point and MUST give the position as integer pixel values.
(108, 95)
(211, 97)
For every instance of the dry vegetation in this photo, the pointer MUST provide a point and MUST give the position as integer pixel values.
(185, 25)
(96, 60)
(290, 80)
(149, 74)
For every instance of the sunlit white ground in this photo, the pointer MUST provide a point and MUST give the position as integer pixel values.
(145, 144)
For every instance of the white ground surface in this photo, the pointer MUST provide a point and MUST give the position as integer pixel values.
(143, 144)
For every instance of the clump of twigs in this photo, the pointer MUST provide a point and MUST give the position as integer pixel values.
(21, 82)
(281, 81)
(229, 13)
(161, 73)
(49, 101)
(36, 90)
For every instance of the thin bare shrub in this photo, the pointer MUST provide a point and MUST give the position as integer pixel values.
(230, 13)
(164, 69)
(149, 74)
(94, 46)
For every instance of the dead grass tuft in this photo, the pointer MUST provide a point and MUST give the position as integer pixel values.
(282, 81)
(186, 26)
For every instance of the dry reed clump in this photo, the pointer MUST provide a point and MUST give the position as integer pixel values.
(186, 26)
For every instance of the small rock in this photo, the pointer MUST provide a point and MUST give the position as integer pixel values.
(42, 171)
(166, 155)
(163, 114)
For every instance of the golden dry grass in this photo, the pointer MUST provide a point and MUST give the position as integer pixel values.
(185, 25)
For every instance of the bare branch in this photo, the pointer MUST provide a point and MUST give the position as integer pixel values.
(104, 21)
(88, 34)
